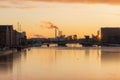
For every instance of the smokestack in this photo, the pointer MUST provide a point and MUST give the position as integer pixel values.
(55, 33)
(50, 25)
(98, 32)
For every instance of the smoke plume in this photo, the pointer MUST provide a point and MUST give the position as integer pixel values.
(38, 36)
(48, 25)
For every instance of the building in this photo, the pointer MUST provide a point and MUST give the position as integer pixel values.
(69, 37)
(75, 37)
(15, 40)
(6, 35)
(60, 33)
(110, 35)
(23, 38)
(11, 38)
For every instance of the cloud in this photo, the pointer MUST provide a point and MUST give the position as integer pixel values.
(26, 7)
(73, 1)
(17, 7)
(4, 6)
(14, 4)
(34, 35)
(27, 4)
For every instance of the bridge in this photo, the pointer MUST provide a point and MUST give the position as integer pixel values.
(64, 43)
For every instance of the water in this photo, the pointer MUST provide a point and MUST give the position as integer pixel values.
(63, 63)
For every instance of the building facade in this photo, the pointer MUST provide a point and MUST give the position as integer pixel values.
(11, 38)
(110, 35)
(6, 35)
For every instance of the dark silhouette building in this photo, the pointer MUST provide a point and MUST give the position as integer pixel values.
(6, 35)
(15, 36)
(110, 35)
(10, 38)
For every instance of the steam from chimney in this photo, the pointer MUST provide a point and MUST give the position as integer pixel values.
(38, 36)
(48, 25)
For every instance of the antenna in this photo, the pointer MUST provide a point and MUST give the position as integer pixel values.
(19, 27)
(19, 30)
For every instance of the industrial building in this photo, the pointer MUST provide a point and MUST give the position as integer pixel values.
(11, 38)
(6, 35)
(110, 35)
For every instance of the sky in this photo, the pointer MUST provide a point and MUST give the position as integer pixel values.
(81, 17)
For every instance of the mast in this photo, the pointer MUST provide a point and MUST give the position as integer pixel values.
(19, 36)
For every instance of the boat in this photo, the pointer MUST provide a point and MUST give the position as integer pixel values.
(37, 45)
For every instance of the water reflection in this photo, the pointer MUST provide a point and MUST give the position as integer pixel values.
(110, 63)
(8, 60)
(108, 55)
(6, 66)
(53, 63)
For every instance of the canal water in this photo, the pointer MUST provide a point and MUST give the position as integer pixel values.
(62, 63)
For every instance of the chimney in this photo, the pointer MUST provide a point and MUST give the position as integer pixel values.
(55, 33)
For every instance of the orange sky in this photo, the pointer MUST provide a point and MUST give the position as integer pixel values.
(81, 17)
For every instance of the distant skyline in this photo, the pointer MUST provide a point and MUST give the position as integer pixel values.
(81, 17)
